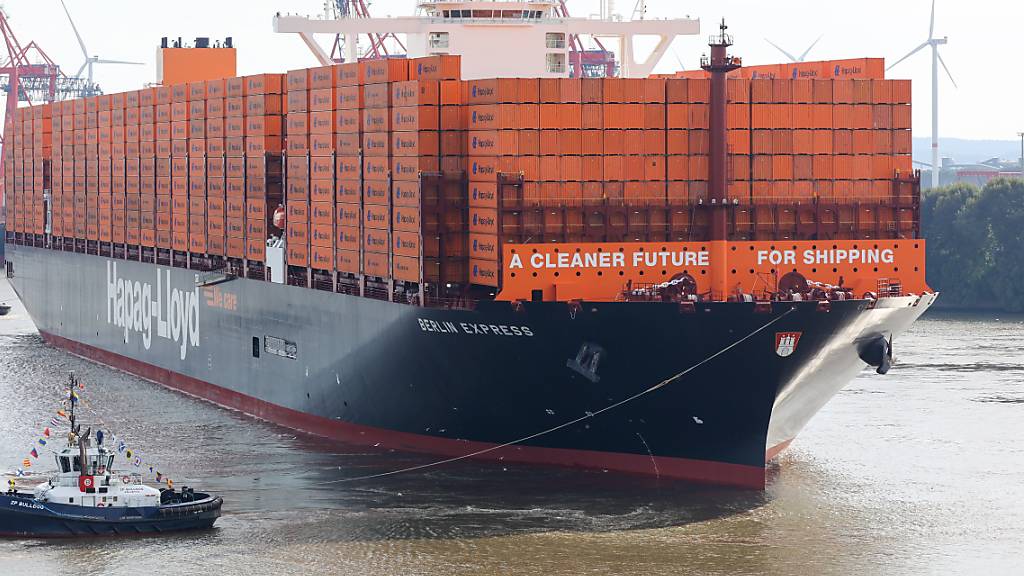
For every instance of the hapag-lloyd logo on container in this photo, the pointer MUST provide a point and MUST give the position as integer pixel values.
(134, 307)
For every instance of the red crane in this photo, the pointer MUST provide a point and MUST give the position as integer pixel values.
(28, 74)
(585, 63)
(358, 9)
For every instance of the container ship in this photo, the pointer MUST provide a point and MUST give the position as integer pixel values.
(665, 276)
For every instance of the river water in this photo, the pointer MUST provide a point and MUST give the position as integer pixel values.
(917, 472)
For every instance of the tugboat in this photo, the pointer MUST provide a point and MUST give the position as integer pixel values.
(86, 497)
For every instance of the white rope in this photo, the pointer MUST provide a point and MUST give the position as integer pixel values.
(586, 416)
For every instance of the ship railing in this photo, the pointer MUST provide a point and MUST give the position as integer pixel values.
(450, 303)
(817, 292)
(889, 288)
(827, 201)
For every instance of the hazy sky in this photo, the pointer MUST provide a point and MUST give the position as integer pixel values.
(983, 50)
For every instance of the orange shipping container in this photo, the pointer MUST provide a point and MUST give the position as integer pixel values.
(406, 218)
(421, 143)
(411, 118)
(375, 264)
(440, 67)
(264, 84)
(862, 68)
(406, 243)
(347, 261)
(297, 79)
(406, 268)
(321, 257)
(823, 141)
(384, 70)
(483, 220)
(378, 120)
(348, 238)
(321, 78)
(416, 93)
(375, 192)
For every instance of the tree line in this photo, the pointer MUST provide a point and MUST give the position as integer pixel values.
(976, 244)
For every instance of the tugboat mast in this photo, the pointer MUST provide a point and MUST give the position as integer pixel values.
(74, 436)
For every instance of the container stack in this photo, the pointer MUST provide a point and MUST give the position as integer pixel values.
(825, 139)
(263, 95)
(110, 113)
(234, 169)
(297, 168)
(56, 173)
(27, 168)
(172, 139)
(138, 135)
(419, 215)
(322, 98)
(378, 77)
(348, 188)
(394, 173)
(212, 106)
(195, 110)
(502, 128)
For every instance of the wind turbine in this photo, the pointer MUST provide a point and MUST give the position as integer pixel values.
(790, 56)
(936, 60)
(90, 60)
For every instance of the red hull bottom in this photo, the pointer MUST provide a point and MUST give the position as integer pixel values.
(697, 471)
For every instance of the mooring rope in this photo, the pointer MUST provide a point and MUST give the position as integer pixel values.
(586, 416)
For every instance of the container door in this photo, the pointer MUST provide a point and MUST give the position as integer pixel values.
(89, 500)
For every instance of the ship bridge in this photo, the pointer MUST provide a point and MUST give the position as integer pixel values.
(498, 38)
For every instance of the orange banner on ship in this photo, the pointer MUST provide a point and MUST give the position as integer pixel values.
(601, 271)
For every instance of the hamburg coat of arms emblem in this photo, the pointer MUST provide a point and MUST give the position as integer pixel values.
(785, 343)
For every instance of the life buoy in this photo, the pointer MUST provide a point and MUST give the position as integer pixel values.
(100, 505)
(125, 480)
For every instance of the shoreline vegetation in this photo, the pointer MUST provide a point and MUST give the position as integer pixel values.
(976, 245)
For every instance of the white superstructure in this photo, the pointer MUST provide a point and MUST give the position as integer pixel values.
(96, 485)
(498, 38)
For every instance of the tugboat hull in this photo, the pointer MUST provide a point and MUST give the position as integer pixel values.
(25, 517)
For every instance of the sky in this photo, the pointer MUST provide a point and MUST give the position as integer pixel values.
(980, 53)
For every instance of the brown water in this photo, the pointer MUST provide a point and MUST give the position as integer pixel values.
(917, 472)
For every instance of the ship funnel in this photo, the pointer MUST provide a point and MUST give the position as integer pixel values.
(718, 65)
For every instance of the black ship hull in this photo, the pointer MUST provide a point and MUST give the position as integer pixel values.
(456, 382)
(24, 517)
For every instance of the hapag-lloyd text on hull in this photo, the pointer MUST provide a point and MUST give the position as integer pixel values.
(133, 305)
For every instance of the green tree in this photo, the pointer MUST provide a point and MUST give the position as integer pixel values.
(975, 244)
(1001, 207)
(954, 242)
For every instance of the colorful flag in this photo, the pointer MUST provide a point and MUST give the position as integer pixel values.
(74, 397)
(54, 422)
(81, 385)
(170, 484)
(128, 455)
(150, 469)
(34, 453)
(26, 463)
(159, 477)
(121, 446)
(46, 432)
(42, 441)
(137, 462)
(19, 472)
(62, 413)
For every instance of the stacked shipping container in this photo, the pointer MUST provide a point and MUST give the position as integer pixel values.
(369, 164)
(27, 161)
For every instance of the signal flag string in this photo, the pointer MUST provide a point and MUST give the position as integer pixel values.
(586, 416)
